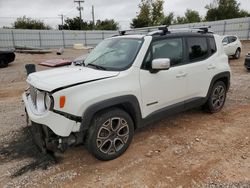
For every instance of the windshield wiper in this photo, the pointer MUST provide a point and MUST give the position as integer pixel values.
(97, 66)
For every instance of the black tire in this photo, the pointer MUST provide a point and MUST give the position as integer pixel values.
(217, 98)
(237, 54)
(3, 63)
(110, 134)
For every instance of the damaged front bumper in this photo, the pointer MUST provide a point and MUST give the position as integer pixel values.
(51, 131)
(59, 124)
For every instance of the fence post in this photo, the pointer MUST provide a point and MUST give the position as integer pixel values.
(248, 34)
(102, 35)
(63, 39)
(224, 29)
(85, 38)
(13, 39)
(40, 39)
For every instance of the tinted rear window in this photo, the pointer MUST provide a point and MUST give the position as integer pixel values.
(212, 45)
(197, 48)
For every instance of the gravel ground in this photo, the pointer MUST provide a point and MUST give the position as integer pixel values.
(191, 149)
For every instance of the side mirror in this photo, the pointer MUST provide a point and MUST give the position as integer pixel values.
(160, 64)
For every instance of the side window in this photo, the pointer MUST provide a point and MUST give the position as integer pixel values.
(197, 48)
(168, 48)
(212, 45)
(232, 39)
(225, 40)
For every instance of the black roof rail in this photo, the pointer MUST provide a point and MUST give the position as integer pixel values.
(122, 32)
(203, 29)
(162, 30)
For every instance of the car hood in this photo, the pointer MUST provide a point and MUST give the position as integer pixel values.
(58, 78)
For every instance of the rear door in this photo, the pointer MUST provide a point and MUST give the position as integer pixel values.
(201, 65)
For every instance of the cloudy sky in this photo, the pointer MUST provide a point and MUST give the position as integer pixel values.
(121, 10)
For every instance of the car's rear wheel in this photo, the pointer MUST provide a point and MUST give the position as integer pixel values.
(217, 98)
(237, 54)
(110, 134)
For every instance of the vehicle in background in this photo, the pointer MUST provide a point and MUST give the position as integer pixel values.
(232, 46)
(6, 57)
(247, 61)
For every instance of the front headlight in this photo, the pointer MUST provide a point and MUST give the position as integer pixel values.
(43, 101)
(40, 105)
(47, 101)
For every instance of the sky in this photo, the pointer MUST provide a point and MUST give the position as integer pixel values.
(122, 11)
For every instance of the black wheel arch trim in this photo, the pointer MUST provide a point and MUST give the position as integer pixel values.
(222, 75)
(127, 102)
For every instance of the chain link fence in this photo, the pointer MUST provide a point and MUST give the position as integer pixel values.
(10, 38)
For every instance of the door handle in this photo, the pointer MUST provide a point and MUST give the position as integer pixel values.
(210, 67)
(181, 75)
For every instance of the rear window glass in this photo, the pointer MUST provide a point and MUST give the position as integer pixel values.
(212, 45)
(197, 48)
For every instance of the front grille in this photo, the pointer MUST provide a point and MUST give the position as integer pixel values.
(33, 95)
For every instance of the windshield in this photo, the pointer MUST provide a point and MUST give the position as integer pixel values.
(114, 54)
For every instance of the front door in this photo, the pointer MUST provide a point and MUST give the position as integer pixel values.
(167, 87)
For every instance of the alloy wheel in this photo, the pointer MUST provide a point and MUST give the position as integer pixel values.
(218, 97)
(112, 135)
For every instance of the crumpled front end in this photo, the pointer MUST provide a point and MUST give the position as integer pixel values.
(50, 130)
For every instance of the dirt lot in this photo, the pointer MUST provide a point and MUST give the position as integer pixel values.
(192, 149)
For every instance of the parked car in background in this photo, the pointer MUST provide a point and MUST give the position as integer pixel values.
(247, 61)
(6, 57)
(232, 46)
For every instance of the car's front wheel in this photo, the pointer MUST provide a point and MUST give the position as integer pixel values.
(110, 134)
(217, 98)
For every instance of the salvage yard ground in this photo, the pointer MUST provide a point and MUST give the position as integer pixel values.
(192, 149)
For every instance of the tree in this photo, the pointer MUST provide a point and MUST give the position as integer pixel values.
(192, 16)
(29, 23)
(106, 25)
(143, 19)
(74, 24)
(157, 14)
(224, 9)
(180, 20)
(168, 19)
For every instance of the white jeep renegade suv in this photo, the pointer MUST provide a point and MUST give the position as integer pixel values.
(124, 84)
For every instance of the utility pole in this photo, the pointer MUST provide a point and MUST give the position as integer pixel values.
(79, 8)
(62, 18)
(93, 16)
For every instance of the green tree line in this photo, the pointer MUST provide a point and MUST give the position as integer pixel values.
(151, 13)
